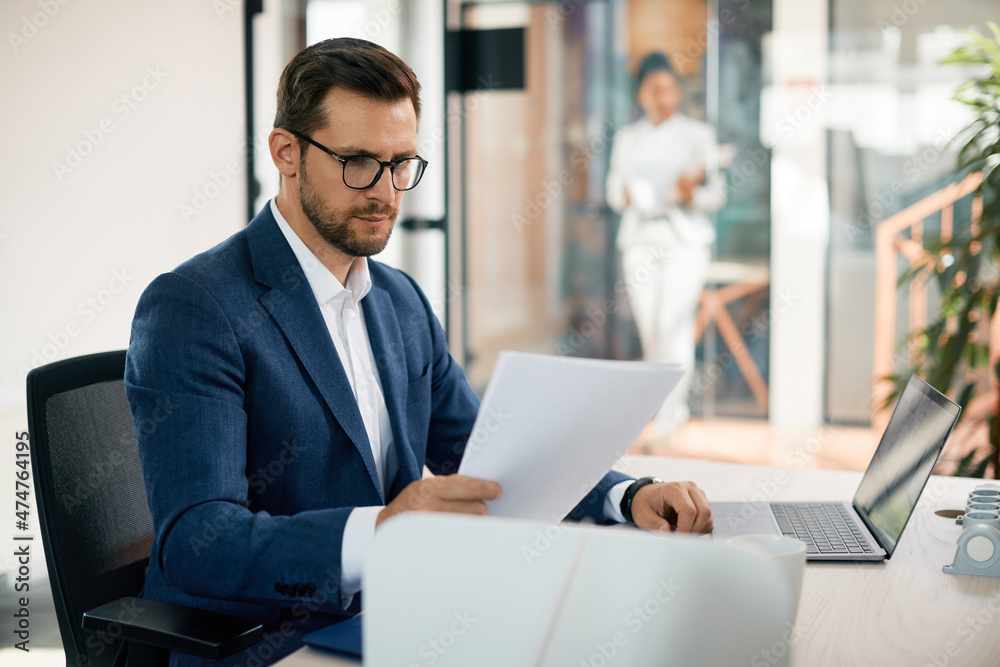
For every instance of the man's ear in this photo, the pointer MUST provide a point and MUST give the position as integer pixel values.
(284, 152)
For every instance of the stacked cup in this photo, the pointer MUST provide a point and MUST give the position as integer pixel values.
(979, 544)
(983, 506)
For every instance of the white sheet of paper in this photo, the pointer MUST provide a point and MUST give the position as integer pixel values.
(550, 427)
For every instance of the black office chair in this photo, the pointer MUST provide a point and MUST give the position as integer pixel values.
(96, 526)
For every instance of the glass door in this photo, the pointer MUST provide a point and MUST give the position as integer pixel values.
(530, 233)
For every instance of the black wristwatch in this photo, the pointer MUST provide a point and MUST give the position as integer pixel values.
(630, 492)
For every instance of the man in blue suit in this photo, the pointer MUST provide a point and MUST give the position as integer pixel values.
(288, 391)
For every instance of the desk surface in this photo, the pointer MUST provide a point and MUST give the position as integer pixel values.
(902, 612)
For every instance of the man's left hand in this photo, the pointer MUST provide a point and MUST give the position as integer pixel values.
(679, 506)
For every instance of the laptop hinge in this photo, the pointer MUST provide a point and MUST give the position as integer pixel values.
(871, 527)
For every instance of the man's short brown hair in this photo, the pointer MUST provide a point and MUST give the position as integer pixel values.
(345, 62)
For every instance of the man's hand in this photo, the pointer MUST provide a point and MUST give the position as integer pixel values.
(679, 506)
(445, 493)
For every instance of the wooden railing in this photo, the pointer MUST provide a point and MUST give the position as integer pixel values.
(890, 240)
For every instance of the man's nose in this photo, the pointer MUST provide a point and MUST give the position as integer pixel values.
(382, 190)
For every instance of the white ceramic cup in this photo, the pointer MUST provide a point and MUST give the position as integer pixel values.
(787, 553)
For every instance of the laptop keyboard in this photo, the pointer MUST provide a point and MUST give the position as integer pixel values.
(826, 528)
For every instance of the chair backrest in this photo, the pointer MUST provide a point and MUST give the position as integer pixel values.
(95, 521)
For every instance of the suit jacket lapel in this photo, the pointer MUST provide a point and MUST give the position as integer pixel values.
(390, 360)
(293, 305)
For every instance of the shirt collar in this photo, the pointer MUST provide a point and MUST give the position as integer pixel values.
(324, 284)
(670, 122)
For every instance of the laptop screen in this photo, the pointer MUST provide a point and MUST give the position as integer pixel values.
(903, 462)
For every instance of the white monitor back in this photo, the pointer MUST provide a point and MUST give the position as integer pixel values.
(442, 589)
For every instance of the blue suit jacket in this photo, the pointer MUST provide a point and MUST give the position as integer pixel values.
(252, 445)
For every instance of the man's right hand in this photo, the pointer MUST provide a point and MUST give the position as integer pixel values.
(443, 493)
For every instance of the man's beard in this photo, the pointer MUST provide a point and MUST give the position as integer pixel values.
(335, 225)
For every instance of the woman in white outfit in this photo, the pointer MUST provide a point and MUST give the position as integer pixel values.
(663, 179)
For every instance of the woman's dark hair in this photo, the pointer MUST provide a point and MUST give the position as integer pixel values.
(654, 62)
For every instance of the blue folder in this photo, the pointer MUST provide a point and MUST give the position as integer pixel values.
(343, 638)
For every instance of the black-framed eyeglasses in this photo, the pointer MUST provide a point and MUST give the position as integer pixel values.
(363, 171)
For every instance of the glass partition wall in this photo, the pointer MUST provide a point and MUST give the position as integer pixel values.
(531, 236)
(889, 117)
(537, 261)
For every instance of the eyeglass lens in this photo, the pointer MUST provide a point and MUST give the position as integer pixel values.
(360, 171)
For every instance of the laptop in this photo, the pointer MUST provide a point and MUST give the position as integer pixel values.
(869, 527)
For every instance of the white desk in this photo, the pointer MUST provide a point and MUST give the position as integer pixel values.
(903, 612)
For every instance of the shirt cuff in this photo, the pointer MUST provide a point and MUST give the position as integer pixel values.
(613, 501)
(358, 533)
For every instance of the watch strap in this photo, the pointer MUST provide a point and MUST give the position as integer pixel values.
(626, 504)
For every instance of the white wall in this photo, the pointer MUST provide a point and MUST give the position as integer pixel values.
(149, 96)
(117, 115)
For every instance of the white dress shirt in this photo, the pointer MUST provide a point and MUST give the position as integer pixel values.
(344, 316)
